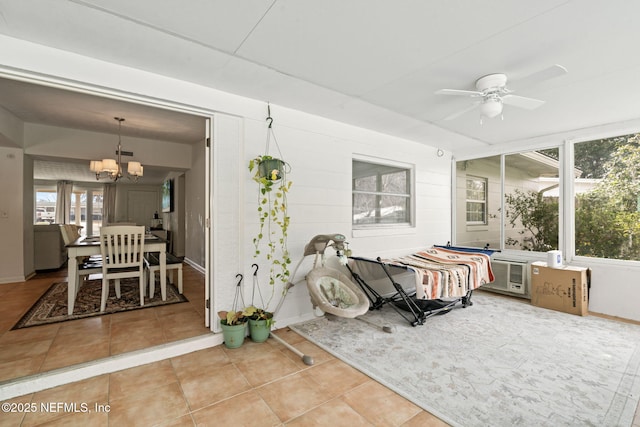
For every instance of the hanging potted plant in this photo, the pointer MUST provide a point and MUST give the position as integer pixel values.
(234, 322)
(260, 320)
(234, 327)
(271, 175)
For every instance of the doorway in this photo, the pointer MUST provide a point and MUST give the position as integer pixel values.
(165, 114)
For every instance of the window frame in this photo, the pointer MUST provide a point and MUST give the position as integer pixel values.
(410, 194)
(485, 201)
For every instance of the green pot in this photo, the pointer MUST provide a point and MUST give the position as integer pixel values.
(267, 168)
(259, 330)
(234, 334)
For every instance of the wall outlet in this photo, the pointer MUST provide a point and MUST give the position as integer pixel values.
(4, 214)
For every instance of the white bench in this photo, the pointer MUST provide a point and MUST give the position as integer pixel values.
(152, 265)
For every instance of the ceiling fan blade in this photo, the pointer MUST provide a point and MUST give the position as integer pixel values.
(458, 92)
(522, 102)
(540, 76)
(463, 111)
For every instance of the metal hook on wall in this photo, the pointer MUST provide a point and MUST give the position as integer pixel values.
(269, 118)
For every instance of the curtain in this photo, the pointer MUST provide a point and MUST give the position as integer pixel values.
(63, 202)
(109, 204)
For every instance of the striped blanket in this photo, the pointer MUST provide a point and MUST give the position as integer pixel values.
(446, 273)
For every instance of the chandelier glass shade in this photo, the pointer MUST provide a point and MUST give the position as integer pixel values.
(112, 168)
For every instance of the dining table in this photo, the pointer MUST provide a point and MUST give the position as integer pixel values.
(90, 245)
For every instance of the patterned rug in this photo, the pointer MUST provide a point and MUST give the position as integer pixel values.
(52, 305)
(500, 362)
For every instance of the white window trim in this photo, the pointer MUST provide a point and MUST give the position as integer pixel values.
(366, 230)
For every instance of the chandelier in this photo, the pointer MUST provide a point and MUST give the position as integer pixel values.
(112, 169)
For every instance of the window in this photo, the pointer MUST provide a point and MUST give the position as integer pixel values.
(524, 217)
(476, 200)
(381, 194)
(607, 197)
(85, 210)
(532, 182)
(477, 215)
(45, 209)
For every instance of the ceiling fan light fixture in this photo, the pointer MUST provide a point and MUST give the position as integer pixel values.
(491, 107)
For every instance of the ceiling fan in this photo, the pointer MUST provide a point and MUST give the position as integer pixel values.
(492, 93)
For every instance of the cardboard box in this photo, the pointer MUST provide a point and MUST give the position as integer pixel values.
(564, 288)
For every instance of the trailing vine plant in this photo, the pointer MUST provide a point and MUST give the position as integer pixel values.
(270, 174)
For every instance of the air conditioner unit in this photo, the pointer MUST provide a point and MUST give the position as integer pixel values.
(509, 277)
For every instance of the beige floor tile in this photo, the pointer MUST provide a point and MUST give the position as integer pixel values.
(80, 419)
(162, 404)
(140, 339)
(425, 419)
(292, 396)
(169, 310)
(336, 377)
(192, 328)
(69, 355)
(138, 330)
(140, 379)
(15, 413)
(289, 335)
(318, 355)
(80, 338)
(23, 350)
(87, 392)
(266, 368)
(183, 421)
(46, 332)
(381, 406)
(209, 387)
(128, 317)
(21, 368)
(246, 409)
(93, 325)
(199, 362)
(249, 350)
(335, 413)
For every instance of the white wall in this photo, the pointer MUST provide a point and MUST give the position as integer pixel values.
(12, 216)
(320, 152)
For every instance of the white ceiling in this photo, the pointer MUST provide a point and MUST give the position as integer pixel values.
(371, 63)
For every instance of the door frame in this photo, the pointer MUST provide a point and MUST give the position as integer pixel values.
(159, 103)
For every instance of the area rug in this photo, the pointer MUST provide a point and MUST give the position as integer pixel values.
(500, 362)
(52, 305)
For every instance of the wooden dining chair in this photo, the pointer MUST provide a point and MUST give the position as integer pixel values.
(122, 249)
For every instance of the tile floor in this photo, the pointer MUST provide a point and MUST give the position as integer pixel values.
(257, 384)
(262, 384)
(43, 348)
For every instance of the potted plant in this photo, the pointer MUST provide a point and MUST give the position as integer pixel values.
(273, 185)
(234, 327)
(260, 322)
